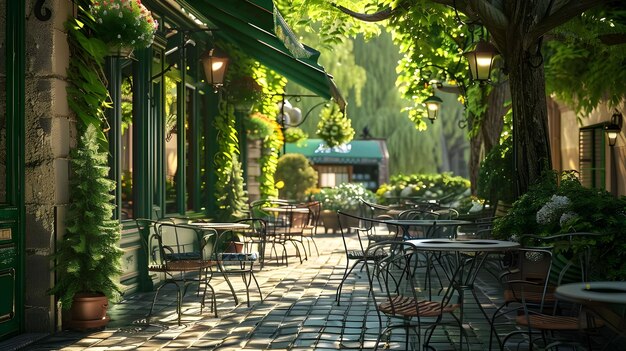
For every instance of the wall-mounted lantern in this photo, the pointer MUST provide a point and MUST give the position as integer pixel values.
(614, 127)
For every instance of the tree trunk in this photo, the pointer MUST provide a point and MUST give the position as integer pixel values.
(492, 124)
(531, 145)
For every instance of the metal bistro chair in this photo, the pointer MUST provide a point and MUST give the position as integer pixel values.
(181, 253)
(532, 287)
(235, 255)
(356, 240)
(310, 231)
(396, 295)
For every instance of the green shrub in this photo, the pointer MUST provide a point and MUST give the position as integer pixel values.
(495, 181)
(552, 207)
(297, 175)
(445, 187)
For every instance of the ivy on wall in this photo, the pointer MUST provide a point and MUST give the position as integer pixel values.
(87, 94)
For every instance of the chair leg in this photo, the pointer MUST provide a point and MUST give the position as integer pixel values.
(339, 288)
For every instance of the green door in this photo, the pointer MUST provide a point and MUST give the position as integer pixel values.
(11, 167)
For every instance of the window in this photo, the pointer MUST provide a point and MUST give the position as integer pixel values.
(592, 157)
(330, 176)
(127, 143)
(171, 145)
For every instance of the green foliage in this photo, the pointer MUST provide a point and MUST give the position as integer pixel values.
(344, 197)
(87, 94)
(333, 127)
(87, 258)
(229, 188)
(445, 187)
(580, 68)
(258, 126)
(295, 134)
(551, 207)
(297, 175)
(495, 178)
(123, 23)
(244, 91)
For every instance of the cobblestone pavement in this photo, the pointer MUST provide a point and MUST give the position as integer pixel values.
(298, 312)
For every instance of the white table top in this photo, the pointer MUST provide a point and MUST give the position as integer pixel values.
(604, 292)
(464, 245)
(221, 226)
(286, 209)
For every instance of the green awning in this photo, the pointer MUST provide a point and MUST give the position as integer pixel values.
(355, 152)
(259, 30)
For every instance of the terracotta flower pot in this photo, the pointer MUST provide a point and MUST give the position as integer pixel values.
(89, 311)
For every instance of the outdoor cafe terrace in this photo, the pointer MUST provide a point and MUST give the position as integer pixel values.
(298, 312)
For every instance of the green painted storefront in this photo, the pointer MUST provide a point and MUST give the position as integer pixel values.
(161, 139)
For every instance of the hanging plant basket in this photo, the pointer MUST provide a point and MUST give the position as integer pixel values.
(123, 24)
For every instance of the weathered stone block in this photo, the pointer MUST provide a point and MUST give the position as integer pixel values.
(39, 189)
(39, 320)
(39, 280)
(40, 225)
(61, 183)
(60, 137)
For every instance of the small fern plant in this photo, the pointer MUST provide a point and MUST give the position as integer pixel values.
(87, 259)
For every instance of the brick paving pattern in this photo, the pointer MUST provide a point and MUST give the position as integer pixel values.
(299, 312)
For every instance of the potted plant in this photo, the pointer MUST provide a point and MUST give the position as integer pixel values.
(244, 92)
(87, 259)
(334, 128)
(123, 25)
(345, 197)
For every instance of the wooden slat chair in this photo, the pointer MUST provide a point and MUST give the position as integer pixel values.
(398, 299)
(539, 311)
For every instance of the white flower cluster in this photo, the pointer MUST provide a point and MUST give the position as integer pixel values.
(124, 22)
(553, 209)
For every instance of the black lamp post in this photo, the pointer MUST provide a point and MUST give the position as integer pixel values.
(481, 60)
(215, 63)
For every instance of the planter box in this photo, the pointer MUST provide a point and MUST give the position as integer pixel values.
(330, 221)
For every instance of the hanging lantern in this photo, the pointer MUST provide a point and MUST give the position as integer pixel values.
(215, 63)
(481, 60)
(433, 105)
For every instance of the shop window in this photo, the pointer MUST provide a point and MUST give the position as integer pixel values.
(127, 144)
(190, 149)
(330, 176)
(171, 145)
(592, 157)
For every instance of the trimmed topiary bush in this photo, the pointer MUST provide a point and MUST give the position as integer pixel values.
(297, 176)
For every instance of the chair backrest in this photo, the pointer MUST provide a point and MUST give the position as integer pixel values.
(315, 208)
(178, 242)
(418, 214)
(298, 218)
(572, 257)
(529, 272)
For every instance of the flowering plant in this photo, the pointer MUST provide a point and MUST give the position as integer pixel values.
(123, 23)
(334, 128)
(344, 197)
(556, 207)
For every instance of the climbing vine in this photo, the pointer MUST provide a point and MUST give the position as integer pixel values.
(87, 94)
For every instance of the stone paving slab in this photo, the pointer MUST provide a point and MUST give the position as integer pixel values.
(298, 312)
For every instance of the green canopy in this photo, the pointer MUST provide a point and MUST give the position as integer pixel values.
(354, 152)
(258, 29)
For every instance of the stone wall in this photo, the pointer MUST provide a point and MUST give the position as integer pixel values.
(50, 132)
